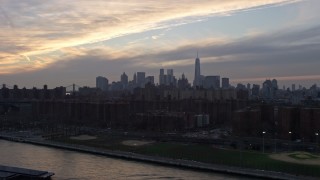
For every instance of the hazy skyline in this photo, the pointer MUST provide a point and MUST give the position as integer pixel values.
(63, 42)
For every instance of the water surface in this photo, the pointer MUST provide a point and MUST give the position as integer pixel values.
(70, 165)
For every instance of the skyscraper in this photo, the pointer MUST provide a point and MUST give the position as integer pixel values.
(255, 90)
(149, 80)
(161, 77)
(267, 90)
(197, 73)
(225, 83)
(183, 82)
(212, 82)
(135, 78)
(170, 77)
(124, 80)
(141, 79)
(249, 86)
(274, 84)
(102, 83)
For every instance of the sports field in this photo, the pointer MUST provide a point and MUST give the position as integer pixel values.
(298, 158)
(297, 163)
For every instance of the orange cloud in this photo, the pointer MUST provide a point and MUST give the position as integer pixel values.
(36, 28)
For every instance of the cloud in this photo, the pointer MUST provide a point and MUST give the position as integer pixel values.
(26, 57)
(281, 78)
(37, 28)
(6, 18)
(285, 55)
(307, 12)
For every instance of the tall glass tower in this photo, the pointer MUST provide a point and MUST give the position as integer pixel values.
(197, 73)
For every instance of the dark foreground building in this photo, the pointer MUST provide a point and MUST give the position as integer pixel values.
(284, 122)
(162, 115)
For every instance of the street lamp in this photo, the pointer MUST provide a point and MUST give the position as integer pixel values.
(289, 140)
(275, 142)
(317, 135)
(263, 132)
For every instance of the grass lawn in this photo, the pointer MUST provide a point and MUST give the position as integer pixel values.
(203, 153)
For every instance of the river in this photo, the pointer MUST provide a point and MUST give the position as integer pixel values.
(70, 165)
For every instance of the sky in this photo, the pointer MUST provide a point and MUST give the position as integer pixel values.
(62, 42)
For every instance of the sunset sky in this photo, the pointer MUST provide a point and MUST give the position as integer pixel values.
(61, 42)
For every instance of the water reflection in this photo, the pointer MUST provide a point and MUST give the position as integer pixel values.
(69, 165)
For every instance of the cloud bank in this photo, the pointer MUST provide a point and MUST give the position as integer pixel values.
(36, 34)
(285, 55)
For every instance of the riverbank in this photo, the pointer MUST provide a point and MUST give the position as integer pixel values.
(161, 160)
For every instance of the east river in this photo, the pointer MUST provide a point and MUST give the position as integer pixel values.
(70, 165)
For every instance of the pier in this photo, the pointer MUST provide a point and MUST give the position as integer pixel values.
(7, 172)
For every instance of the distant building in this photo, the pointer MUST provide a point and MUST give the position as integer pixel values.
(124, 79)
(170, 78)
(167, 79)
(141, 78)
(150, 80)
(134, 79)
(293, 87)
(161, 77)
(85, 91)
(5, 93)
(102, 83)
(241, 87)
(197, 73)
(267, 89)
(183, 82)
(202, 78)
(242, 92)
(116, 86)
(212, 82)
(225, 83)
(255, 90)
(274, 84)
(249, 86)
(249, 89)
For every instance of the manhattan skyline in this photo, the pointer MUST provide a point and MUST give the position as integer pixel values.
(59, 43)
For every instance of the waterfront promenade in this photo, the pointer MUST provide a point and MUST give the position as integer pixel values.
(160, 160)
